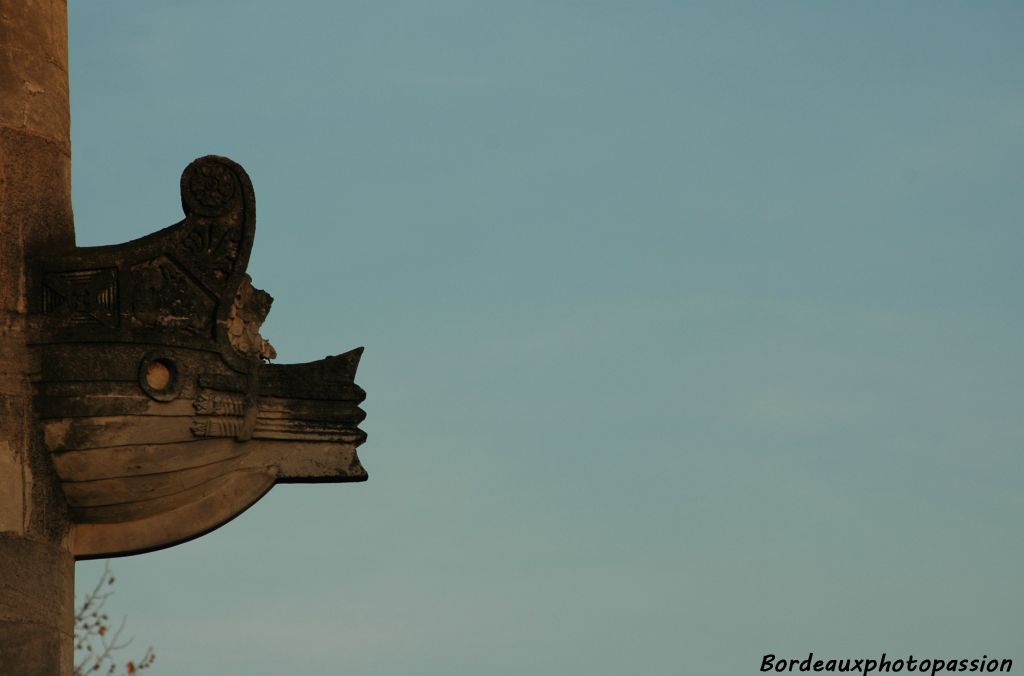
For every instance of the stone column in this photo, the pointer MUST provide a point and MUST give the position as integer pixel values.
(36, 564)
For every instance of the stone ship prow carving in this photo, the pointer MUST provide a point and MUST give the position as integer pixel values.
(159, 409)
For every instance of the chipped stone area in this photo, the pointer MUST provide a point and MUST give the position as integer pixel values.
(248, 312)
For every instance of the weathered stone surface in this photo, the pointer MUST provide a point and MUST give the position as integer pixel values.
(36, 566)
(40, 572)
(33, 650)
(33, 70)
(160, 414)
(36, 607)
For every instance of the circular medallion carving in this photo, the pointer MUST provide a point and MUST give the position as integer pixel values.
(208, 187)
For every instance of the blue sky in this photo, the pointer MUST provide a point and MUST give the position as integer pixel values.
(692, 330)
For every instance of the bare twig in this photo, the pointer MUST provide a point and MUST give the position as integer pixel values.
(95, 643)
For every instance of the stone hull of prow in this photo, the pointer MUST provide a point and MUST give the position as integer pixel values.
(158, 405)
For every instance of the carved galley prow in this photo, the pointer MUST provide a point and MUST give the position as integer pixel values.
(158, 408)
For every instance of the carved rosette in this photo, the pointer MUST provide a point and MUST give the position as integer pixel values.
(157, 407)
(209, 187)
